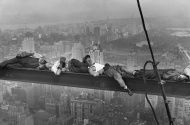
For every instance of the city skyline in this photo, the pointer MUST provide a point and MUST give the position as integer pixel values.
(110, 31)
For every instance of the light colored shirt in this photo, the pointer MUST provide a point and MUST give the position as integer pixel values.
(98, 66)
(95, 68)
(55, 68)
(187, 70)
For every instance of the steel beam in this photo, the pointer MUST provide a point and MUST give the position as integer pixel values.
(176, 89)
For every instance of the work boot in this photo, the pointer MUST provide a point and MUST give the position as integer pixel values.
(129, 92)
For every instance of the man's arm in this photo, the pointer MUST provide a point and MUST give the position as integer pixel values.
(77, 63)
(10, 61)
(93, 72)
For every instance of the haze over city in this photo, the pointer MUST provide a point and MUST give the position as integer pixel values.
(111, 33)
(46, 11)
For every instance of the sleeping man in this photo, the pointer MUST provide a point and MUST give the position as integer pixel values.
(117, 72)
(24, 60)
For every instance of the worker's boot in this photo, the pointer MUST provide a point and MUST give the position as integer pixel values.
(129, 91)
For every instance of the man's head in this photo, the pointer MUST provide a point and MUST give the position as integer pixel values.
(62, 62)
(42, 61)
(88, 60)
(21, 54)
(62, 59)
(48, 65)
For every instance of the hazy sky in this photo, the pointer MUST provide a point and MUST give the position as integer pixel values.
(93, 8)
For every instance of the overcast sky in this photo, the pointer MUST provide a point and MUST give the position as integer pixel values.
(93, 8)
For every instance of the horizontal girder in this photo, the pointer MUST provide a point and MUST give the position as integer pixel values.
(172, 88)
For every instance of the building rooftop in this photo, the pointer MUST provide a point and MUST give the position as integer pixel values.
(42, 115)
(65, 117)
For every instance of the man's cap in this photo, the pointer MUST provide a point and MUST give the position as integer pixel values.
(62, 59)
(42, 61)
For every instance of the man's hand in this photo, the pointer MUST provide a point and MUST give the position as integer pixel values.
(64, 69)
(96, 74)
(58, 72)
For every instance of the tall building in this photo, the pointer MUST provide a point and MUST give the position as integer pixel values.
(132, 60)
(50, 104)
(97, 31)
(30, 96)
(17, 114)
(77, 51)
(9, 88)
(99, 94)
(39, 90)
(1, 54)
(20, 112)
(42, 117)
(116, 111)
(96, 53)
(1, 92)
(88, 33)
(20, 94)
(65, 101)
(56, 91)
(28, 44)
(59, 48)
(171, 105)
(48, 88)
(153, 100)
(108, 95)
(133, 101)
(62, 47)
(83, 108)
(186, 108)
(180, 110)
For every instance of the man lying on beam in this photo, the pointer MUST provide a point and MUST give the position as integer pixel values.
(72, 65)
(86, 66)
(34, 61)
(117, 72)
(25, 60)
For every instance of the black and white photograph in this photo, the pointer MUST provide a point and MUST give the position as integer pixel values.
(94, 62)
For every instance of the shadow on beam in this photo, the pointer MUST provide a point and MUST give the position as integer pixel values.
(176, 89)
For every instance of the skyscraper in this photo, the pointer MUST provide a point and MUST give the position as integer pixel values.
(77, 51)
(116, 110)
(44, 118)
(97, 31)
(28, 44)
(186, 108)
(153, 100)
(1, 92)
(50, 104)
(83, 108)
(62, 47)
(180, 110)
(30, 96)
(20, 93)
(108, 95)
(96, 53)
(65, 101)
(171, 105)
